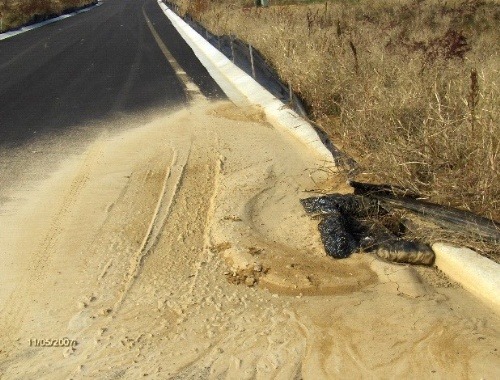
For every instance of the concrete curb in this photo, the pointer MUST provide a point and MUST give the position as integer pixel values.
(25, 29)
(242, 88)
(477, 274)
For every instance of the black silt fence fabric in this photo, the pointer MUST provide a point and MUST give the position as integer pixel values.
(342, 229)
(337, 240)
(347, 225)
(354, 205)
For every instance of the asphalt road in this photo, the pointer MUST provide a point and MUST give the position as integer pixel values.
(92, 66)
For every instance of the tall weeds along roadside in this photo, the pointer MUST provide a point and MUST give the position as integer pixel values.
(408, 87)
(16, 13)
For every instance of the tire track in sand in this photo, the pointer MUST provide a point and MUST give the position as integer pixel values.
(170, 187)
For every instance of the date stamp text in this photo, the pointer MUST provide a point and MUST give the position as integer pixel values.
(60, 342)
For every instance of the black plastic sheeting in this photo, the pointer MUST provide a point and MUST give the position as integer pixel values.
(446, 217)
(354, 205)
(342, 229)
(346, 227)
(335, 235)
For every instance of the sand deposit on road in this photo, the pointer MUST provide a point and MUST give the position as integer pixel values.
(179, 249)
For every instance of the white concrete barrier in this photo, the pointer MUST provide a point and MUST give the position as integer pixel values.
(241, 88)
(478, 274)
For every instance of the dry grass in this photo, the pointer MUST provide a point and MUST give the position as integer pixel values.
(16, 13)
(408, 87)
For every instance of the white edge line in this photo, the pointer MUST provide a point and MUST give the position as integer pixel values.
(24, 29)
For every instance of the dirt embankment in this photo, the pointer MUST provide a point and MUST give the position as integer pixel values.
(179, 249)
(17, 13)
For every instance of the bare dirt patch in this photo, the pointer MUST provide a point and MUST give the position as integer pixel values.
(127, 246)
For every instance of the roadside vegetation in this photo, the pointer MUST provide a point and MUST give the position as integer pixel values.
(409, 88)
(16, 13)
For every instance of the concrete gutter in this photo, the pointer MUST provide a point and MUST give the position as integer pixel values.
(475, 273)
(25, 29)
(242, 88)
